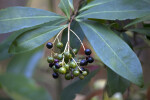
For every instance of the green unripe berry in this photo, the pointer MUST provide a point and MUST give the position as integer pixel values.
(76, 73)
(67, 55)
(60, 63)
(60, 57)
(50, 59)
(59, 45)
(81, 76)
(70, 56)
(84, 73)
(67, 67)
(62, 70)
(72, 64)
(54, 69)
(75, 51)
(55, 55)
(68, 76)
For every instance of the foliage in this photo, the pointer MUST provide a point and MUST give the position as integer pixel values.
(33, 27)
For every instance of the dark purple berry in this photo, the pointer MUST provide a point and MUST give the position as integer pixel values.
(56, 60)
(83, 62)
(55, 75)
(57, 65)
(51, 65)
(49, 45)
(82, 69)
(88, 51)
(90, 59)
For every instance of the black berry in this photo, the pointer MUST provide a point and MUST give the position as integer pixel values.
(56, 60)
(55, 75)
(49, 45)
(83, 62)
(88, 51)
(57, 65)
(90, 59)
(51, 65)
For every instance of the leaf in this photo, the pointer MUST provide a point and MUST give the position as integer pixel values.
(74, 43)
(71, 4)
(144, 31)
(34, 38)
(118, 9)
(114, 52)
(21, 88)
(16, 18)
(69, 92)
(116, 83)
(93, 4)
(65, 7)
(145, 18)
(25, 63)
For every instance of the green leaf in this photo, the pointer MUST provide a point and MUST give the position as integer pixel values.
(116, 83)
(118, 9)
(145, 18)
(74, 43)
(93, 4)
(16, 18)
(114, 52)
(71, 4)
(70, 91)
(21, 88)
(34, 38)
(144, 31)
(25, 63)
(65, 7)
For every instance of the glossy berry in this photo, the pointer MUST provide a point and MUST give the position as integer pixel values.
(57, 65)
(50, 59)
(62, 70)
(60, 56)
(49, 45)
(82, 69)
(88, 51)
(54, 69)
(76, 73)
(75, 51)
(56, 60)
(68, 76)
(67, 55)
(90, 60)
(51, 65)
(81, 76)
(67, 67)
(72, 65)
(84, 73)
(59, 45)
(83, 62)
(55, 55)
(55, 75)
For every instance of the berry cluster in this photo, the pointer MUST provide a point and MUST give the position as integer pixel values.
(65, 63)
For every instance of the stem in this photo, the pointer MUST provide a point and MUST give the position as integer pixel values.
(78, 38)
(76, 64)
(68, 36)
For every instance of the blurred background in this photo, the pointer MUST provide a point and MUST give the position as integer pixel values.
(34, 66)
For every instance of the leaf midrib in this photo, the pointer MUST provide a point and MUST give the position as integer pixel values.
(110, 48)
(36, 17)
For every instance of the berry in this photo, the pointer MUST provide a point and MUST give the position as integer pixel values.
(88, 51)
(67, 55)
(62, 70)
(55, 75)
(50, 59)
(72, 64)
(57, 65)
(56, 60)
(82, 69)
(76, 73)
(68, 76)
(51, 65)
(54, 69)
(90, 59)
(83, 62)
(67, 67)
(60, 56)
(49, 45)
(84, 73)
(55, 55)
(70, 56)
(81, 77)
(75, 51)
(59, 45)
